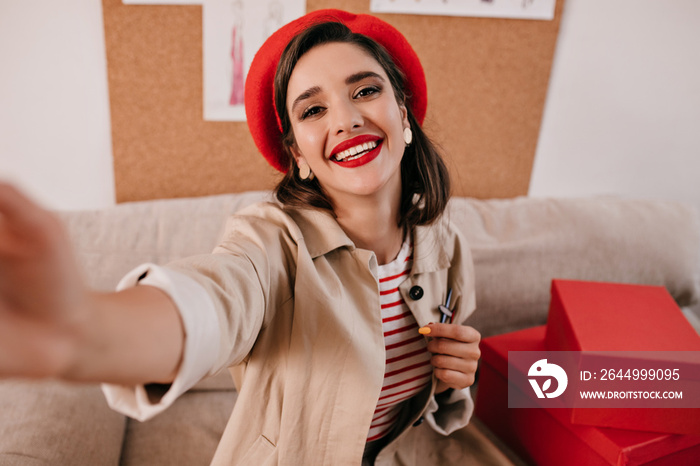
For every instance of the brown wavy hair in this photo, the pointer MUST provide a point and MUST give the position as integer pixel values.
(424, 177)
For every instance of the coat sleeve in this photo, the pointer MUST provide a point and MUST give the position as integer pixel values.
(199, 320)
(224, 299)
(446, 414)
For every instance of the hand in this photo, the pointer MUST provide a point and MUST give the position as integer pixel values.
(52, 325)
(456, 352)
(41, 289)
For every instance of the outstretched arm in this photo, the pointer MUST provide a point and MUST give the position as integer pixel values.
(52, 325)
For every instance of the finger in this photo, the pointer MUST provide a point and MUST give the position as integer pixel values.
(465, 366)
(24, 225)
(454, 379)
(454, 348)
(15, 206)
(457, 332)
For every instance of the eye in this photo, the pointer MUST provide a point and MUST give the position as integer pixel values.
(311, 111)
(367, 91)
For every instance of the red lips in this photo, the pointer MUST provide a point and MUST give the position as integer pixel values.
(355, 161)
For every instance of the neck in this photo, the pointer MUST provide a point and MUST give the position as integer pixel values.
(372, 224)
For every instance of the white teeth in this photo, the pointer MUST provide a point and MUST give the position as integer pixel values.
(355, 152)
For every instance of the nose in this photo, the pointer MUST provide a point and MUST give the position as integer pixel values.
(345, 116)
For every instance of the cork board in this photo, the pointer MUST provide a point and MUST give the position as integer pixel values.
(487, 84)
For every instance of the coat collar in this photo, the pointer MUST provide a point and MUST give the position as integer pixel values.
(429, 254)
(322, 234)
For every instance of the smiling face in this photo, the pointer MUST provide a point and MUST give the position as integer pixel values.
(347, 124)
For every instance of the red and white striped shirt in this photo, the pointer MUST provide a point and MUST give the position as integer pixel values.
(408, 368)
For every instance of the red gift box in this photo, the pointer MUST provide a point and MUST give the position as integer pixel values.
(545, 436)
(593, 316)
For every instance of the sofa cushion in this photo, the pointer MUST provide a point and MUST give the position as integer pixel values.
(112, 241)
(51, 423)
(187, 433)
(519, 245)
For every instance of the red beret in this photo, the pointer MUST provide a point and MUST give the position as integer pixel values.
(259, 86)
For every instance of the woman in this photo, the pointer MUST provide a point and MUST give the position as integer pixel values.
(315, 302)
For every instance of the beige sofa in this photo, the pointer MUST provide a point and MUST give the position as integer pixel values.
(518, 245)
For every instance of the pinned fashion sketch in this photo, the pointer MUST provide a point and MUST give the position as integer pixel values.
(237, 75)
(515, 9)
(233, 31)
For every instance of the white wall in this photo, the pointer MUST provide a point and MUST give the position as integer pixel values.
(54, 114)
(623, 110)
(622, 114)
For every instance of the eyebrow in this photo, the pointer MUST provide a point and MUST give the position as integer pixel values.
(352, 79)
(357, 77)
(307, 94)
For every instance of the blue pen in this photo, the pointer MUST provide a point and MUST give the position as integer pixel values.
(445, 308)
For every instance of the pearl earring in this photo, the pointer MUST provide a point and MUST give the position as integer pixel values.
(407, 135)
(305, 171)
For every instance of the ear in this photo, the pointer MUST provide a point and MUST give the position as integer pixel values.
(296, 154)
(404, 116)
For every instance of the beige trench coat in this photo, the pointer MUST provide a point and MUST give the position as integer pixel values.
(298, 307)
